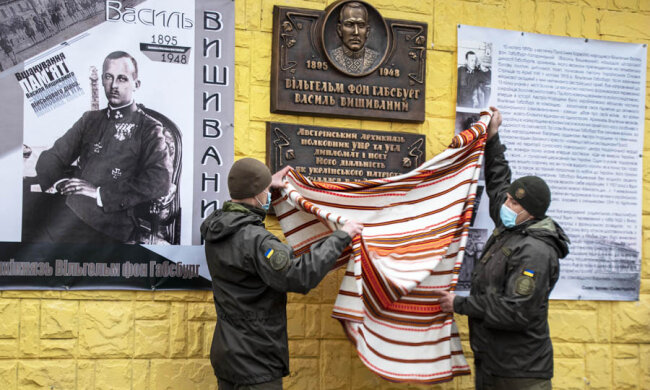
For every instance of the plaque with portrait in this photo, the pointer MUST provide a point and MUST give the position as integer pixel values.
(348, 61)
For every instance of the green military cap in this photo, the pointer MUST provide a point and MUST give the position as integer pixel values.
(532, 193)
(248, 177)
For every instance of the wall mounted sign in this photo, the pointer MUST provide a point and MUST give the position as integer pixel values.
(335, 154)
(348, 61)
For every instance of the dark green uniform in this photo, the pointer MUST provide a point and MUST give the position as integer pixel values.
(122, 151)
(511, 283)
(252, 271)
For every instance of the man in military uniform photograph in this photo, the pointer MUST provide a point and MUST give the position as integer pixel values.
(469, 78)
(110, 161)
(473, 249)
(353, 55)
(484, 90)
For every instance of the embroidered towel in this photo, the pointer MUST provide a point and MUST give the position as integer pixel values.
(415, 230)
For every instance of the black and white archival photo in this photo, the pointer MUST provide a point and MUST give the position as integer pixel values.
(474, 74)
(476, 239)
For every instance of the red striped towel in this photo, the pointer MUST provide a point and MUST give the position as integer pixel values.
(415, 229)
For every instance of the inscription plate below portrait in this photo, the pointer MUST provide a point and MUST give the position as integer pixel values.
(336, 154)
(348, 61)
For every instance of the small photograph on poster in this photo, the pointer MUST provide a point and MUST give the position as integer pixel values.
(475, 243)
(477, 201)
(113, 175)
(39, 25)
(474, 74)
(610, 257)
(465, 120)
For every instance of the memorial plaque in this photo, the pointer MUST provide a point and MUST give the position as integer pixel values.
(335, 154)
(348, 61)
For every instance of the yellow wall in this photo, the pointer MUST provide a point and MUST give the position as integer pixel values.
(161, 340)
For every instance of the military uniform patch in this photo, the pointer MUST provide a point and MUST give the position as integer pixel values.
(279, 259)
(525, 285)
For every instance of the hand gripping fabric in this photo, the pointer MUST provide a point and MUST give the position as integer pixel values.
(413, 242)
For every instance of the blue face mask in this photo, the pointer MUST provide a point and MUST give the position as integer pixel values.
(508, 217)
(266, 205)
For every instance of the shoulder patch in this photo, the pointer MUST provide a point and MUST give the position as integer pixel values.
(524, 285)
(277, 257)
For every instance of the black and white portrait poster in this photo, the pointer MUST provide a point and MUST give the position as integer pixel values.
(117, 122)
(573, 114)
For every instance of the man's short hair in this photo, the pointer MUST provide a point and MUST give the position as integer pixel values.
(353, 4)
(468, 54)
(122, 54)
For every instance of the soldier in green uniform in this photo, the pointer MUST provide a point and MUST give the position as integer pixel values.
(121, 161)
(512, 280)
(252, 271)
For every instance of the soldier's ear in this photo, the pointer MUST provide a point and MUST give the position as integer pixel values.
(137, 84)
(338, 29)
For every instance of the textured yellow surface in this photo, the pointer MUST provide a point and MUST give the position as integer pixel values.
(161, 340)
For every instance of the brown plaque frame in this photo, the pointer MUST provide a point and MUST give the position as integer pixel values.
(324, 153)
(306, 80)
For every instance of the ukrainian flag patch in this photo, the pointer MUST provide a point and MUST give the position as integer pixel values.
(529, 272)
(269, 253)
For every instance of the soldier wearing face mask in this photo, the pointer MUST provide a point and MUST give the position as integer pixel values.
(512, 280)
(252, 271)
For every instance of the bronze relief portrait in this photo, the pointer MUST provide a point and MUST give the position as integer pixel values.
(355, 37)
(349, 61)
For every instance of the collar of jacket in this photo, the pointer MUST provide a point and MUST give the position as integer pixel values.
(545, 224)
(243, 208)
(122, 113)
(354, 54)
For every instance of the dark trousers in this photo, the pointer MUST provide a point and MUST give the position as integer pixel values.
(485, 381)
(275, 384)
(62, 225)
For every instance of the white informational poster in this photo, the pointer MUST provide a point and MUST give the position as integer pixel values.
(573, 114)
(117, 124)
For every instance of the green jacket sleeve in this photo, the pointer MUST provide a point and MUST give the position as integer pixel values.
(497, 176)
(275, 263)
(524, 299)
